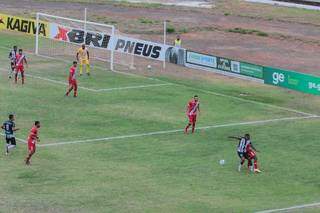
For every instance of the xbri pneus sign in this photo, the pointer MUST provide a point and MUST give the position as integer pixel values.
(93, 39)
(23, 25)
(176, 55)
(139, 48)
(89, 38)
(100, 40)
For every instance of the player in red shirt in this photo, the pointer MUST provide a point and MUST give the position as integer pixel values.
(20, 61)
(72, 80)
(33, 138)
(193, 108)
(252, 156)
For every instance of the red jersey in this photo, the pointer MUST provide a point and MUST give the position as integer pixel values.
(20, 58)
(193, 107)
(33, 134)
(72, 74)
(248, 147)
(250, 151)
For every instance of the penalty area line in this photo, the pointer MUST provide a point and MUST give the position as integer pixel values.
(177, 130)
(104, 89)
(98, 90)
(211, 92)
(291, 208)
(198, 89)
(58, 82)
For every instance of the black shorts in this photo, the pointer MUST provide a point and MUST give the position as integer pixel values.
(246, 156)
(241, 155)
(13, 64)
(11, 141)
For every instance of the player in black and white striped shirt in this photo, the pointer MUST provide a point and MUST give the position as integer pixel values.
(241, 149)
(12, 57)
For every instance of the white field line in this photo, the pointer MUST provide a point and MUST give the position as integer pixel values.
(210, 92)
(18, 139)
(133, 87)
(97, 90)
(255, 102)
(105, 89)
(177, 130)
(207, 91)
(58, 82)
(291, 208)
(101, 68)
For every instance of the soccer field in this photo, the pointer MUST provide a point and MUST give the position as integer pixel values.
(119, 146)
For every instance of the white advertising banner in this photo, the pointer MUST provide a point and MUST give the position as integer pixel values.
(78, 36)
(121, 44)
(138, 47)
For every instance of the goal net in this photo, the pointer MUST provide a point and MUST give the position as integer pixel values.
(67, 35)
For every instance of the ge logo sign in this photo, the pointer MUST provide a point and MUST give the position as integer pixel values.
(278, 78)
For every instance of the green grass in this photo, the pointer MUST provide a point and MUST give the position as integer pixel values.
(170, 29)
(144, 20)
(160, 173)
(247, 31)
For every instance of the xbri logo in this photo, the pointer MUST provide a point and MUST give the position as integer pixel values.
(89, 38)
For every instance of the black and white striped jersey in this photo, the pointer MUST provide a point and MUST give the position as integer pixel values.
(12, 55)
(242, 146)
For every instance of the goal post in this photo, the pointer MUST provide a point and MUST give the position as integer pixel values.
(60, 47)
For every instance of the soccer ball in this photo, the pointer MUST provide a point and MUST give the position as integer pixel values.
(149, 67)
(222, 162)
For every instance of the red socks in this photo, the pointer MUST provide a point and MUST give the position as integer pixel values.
(187, 127)
(255, 164)
(16, 78)
(193, 127)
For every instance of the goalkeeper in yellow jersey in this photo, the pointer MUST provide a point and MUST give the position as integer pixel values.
(83, 58)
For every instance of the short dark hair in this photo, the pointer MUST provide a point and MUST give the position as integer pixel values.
(20, 50)
(15, 46)
(195, 96)
(74, 62)
(11, 116)
(36, 122)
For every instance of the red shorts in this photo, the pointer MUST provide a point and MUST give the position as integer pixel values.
(72, 83)
(192, 118)
(32, 145)
(19, 69)
(251, 154)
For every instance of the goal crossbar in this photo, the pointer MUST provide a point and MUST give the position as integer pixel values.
(85, 22)
(75, 20)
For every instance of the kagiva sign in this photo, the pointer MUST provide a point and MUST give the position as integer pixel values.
(19, 24)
